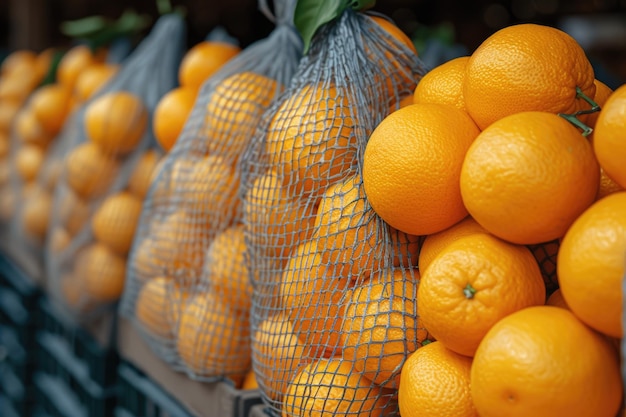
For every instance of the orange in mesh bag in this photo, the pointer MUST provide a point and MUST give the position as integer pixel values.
(334, 313)
(191, 238)
(106, 161)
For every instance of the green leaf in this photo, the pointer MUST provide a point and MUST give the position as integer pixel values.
(310, 15)
(83, 27)
(52, 69)
(96, 31)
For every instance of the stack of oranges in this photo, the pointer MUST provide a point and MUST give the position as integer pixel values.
(507, 157)
(115, 124)
(20, 74)
(199, 63)
(80, 74)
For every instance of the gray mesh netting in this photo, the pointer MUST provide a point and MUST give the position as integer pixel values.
(36, 161)
(106, 161)
(333, 309)
(16, 87)
(187, 288)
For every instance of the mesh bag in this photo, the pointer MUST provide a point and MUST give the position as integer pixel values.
(21, 73)
(188, 289)
(333, 309)
(37, 144)
(106, 161)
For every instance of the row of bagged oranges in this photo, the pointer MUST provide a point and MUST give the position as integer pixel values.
(481, 140)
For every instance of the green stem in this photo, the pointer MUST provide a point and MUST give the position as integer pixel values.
(574, 120)
(593, 104)
(469, 291)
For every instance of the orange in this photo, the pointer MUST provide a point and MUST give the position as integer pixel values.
(330, 387)
(5, 144)
(412, 164)
(381, 328)
(541, 361)
(226, 270)
(88, 171)
(408, 100)
(36, 214)
(607, 186)
(102, 271)
(141, 177)
(172, 176)
(436, 382)
(43, 62)
(528, 176)
(208, 185)
(158, 307)
(28, 161)
(5, 172)
(171, 114)
(249, 382)
(435, 243)
(278, 355)
(92, 79)
(115, 221)
(203, 60)
(234, 111)
(546, 254)
(591, 264)
(30, 130)
(311, 294)
(608, 142)
(17, 86)
(176, 247)
(603, 92)
(59, 240)
(556, 299)
(144, 266)
(443, 84)
(50, 105)
(346, 229)
(526, 67)
(73, 212)
(116, 122)
(397, 49)
(214, 340)
(276, 221)
(8, 113)
(73, 63)
(18, 60)
(310, 140)
(213, 191)
(473, 283)
(394, 31)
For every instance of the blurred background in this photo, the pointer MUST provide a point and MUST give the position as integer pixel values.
(441, 29)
